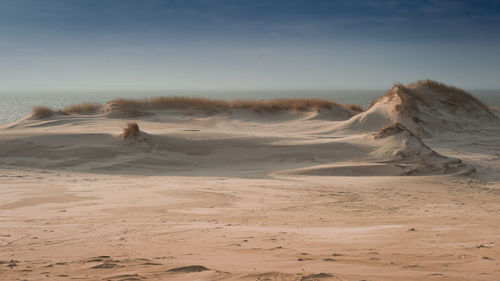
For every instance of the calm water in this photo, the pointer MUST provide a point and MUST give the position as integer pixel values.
(18, 105)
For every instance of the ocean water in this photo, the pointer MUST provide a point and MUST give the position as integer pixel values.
(15, 106)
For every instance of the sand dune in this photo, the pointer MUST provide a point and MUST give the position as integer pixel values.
(406, 190)
(426, 108)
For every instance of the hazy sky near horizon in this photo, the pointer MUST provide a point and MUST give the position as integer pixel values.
(253, 44)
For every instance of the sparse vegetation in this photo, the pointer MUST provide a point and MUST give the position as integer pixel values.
(132, 130)
(41, 112)
(83, 108)
(455, 97)
(391, 130)
(353, 107)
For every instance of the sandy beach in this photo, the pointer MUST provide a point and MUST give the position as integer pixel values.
(408, 189)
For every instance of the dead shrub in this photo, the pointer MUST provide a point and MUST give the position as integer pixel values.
(132, 130)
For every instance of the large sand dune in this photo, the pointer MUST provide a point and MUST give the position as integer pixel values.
(406, 190)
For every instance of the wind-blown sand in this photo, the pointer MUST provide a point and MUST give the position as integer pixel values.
(407, 190)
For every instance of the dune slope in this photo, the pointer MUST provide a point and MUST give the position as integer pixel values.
(426, 108)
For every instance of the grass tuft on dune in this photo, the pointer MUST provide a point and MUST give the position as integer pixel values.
(131, 131)
(41, 112)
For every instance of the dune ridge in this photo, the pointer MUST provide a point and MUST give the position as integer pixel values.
(425, 107)
(143, 107)
(429, 92)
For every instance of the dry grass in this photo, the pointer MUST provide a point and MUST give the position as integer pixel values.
(409, 99)
(132, 106)
(428, 92)
(353, 107)
(132, 130)
(454, 97)
(137, 107)
(391, 130)
(83, 108)
(41, 112)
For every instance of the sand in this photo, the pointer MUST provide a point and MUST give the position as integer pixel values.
(248, 196)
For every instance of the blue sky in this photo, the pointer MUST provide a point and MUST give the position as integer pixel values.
(235, 44)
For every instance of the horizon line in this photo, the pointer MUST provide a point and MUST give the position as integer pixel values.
(210, 90)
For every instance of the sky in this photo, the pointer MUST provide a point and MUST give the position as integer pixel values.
(253, 44)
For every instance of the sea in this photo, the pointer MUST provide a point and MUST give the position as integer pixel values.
(17, 105)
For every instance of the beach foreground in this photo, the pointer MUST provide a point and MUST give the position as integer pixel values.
(407, 190)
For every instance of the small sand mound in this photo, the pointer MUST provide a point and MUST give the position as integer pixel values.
(401, 144)
(398, 145)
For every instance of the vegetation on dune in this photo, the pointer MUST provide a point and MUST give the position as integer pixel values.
(428, 92)
(140, 107)
(291, 104)
(41, 112)
(137, 107)
(83, 108)
(391, 130)
(452, 96)
(216, 105)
